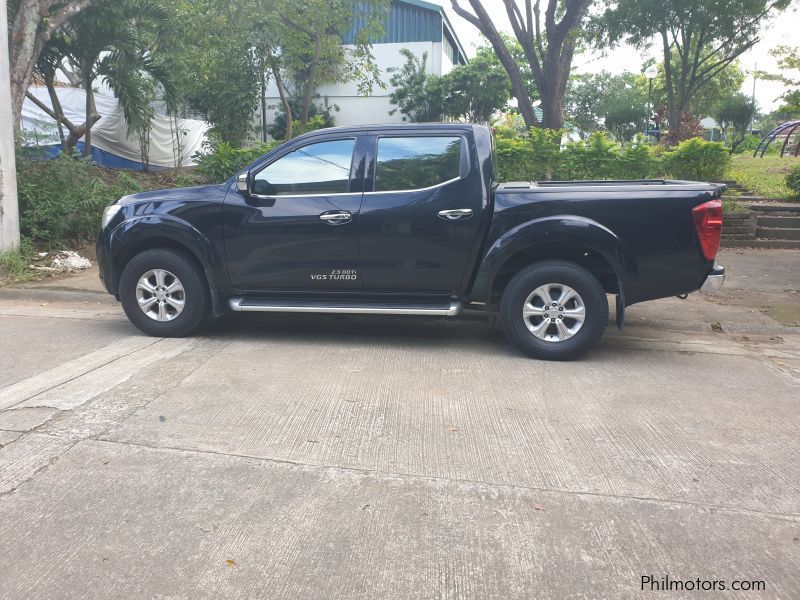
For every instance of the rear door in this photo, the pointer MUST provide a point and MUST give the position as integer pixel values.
(298, 232)
(421, 214)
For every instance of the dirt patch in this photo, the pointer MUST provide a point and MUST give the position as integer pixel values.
(785, 314)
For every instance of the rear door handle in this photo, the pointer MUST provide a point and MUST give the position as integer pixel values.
(455, 214)
(335, 217)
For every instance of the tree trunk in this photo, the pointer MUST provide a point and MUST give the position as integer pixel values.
(311, 82)
(485, 25)
(56, 103)
(287, 109)
(91, 118)
(673, 118)
(553, 88)
(32, 27)
(553, 110)
(24, 50)
(75, 132)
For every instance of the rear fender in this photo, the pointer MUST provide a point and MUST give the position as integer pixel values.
(566, 229)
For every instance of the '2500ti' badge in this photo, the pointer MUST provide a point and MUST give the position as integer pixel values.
(336, 275)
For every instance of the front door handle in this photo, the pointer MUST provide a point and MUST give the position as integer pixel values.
(455, 214)
(335, 217)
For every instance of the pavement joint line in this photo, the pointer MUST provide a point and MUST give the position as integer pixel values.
(50, 461)
(90, 316)
(73, 377)
(727, 348)
(788, 517)
(55, 288)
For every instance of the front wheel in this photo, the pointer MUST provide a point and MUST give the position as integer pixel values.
(554, 310)
(164, 293)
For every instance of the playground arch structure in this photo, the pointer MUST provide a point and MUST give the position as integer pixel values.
(789, 132)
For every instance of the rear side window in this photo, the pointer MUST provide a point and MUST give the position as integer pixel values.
(409, 163)
(322, 168)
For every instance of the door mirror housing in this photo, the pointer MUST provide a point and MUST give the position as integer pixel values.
(243, 183)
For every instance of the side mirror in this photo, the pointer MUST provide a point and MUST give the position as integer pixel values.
(243, 183)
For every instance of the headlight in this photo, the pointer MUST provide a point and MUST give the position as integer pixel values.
(109, 213)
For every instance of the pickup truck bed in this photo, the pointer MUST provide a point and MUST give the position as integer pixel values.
(655, 241)
(408, 219)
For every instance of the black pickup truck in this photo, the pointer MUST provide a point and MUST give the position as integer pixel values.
(409, 220)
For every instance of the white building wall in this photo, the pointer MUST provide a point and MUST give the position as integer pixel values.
(355, 109)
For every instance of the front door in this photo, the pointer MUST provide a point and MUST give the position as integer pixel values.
(421, 221)
(298, 229)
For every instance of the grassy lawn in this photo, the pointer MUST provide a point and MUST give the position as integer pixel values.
(764, 176)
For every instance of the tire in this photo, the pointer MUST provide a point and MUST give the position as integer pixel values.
(152, 301)
(565, 336)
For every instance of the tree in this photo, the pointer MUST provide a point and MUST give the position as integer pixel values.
(602, 100)
(548, 43)
(585, 93)
(312, 50)
(471, 92)
(215, 68)
(117, 42)
(418, 95)
(789, 64)
(734, 114)
(318, 117)
(296, 44)
(477, 90)
(34, 23)
(698, 38)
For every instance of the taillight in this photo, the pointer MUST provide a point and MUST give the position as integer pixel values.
(707, 219)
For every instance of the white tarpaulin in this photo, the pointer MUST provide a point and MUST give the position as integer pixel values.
(110, 133)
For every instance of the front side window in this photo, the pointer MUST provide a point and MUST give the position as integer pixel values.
(322, 168)
(409, 163)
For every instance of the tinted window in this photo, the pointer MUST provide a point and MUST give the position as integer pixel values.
(322, 168)
(407, 163)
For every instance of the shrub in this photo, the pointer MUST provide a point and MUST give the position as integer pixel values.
(540, 156)
(220, 161)
(515, 160)
(697, 160)
(639, 160)
(14, 263)
(793, 180)
(61, 201)
(596, 157)
(527, 158)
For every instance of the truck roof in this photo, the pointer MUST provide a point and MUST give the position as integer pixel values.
(392, 127)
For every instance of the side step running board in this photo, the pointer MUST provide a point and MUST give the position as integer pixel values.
(340, 307)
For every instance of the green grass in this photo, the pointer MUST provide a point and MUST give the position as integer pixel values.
(764, 176)
(15, 264)
(731, 205)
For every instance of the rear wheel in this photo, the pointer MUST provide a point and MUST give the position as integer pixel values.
(554, 310)
(164, 293)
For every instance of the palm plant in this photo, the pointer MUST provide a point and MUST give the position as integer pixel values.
(116, 40)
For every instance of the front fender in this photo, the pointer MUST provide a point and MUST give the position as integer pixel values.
(567, 229)
(138, 233)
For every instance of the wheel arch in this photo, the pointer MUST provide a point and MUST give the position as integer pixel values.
(566, 237)
(133, 238)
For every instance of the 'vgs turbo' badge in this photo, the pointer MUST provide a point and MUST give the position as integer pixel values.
(336, 275)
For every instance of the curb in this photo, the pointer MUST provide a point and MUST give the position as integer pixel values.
(56, 294)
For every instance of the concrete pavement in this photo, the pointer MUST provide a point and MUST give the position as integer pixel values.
(312, 456)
